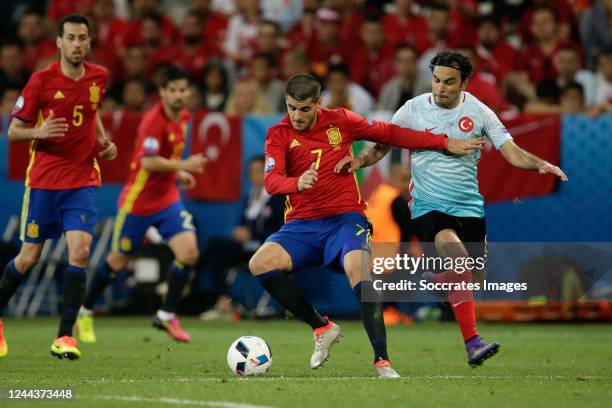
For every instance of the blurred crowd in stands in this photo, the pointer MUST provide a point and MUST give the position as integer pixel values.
(529, 55)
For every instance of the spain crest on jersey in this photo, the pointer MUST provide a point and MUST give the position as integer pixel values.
(94, 95)
(334, 137)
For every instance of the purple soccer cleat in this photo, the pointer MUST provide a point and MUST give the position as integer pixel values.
(478, 350)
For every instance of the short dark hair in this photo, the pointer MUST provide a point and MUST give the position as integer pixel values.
(452, 60)
(74, 19)
(340, 68)
(572, 85)
(172, 73)
(301, 87)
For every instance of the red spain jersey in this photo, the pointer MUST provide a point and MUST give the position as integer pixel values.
(63, 162)
(146, 192)
(290, 153)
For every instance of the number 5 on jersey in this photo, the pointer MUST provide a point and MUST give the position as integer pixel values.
(77, 115)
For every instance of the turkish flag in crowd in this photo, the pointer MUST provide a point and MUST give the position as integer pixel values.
(218, 137)
(499, 181)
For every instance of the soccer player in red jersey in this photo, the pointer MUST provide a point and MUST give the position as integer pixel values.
(324, 210)
(58, 112)
(151, 198)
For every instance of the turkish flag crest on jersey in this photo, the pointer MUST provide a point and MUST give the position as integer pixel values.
(218, 137)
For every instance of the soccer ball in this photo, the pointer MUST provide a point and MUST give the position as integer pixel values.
(249, 355)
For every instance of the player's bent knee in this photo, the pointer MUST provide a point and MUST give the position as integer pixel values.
(26, 261)
(78, 255)
(189, 256)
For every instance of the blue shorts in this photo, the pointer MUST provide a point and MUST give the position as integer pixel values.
(46, 214)
(323, 241)
(130, 229)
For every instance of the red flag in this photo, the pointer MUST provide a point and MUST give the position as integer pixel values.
(498, 180)
(122, 127)
(219, 138)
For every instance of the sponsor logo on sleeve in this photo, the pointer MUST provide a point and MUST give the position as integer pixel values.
(151, 144)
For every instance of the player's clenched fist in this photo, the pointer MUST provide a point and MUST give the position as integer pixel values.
(308, 178)
(109, 150)
(194, 163)
(52, 127)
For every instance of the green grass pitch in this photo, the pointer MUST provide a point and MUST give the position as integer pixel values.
(132, 365)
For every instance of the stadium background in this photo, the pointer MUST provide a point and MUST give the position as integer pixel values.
(577, 211)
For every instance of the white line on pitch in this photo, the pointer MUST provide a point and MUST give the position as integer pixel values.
(176, 401)
(354, 378)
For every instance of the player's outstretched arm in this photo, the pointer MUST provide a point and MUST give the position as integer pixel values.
(20, 131)
(366, 158)
(521, 158)
(157, 164)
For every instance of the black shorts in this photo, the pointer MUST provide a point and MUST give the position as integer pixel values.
(471, 231)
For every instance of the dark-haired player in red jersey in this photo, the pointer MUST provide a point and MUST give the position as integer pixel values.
(151, 198)
(325, 211)
(58, 112)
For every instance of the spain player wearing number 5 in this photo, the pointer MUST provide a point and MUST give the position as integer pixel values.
(58, 112)
(151, 198)
(325, 211)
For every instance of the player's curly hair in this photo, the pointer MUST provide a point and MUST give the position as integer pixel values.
(453, 60)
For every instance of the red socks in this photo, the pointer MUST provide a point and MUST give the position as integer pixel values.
(462, 302)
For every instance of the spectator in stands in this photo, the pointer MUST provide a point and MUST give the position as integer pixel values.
(482, 84)
(463, 21)
(193, 52)
(536, 63)
(537, 59)
(247, 98)
(572, 99)
(262, 215)
(168, 35)
(215, 86)
(495, 54)
(12, 72)
(214, 24)
(134, 94)
(109, 29)
(295, 61)
(568, 67)
(242, 30)
(604, 77)
(596, 30)
(270, 40)
(8, 99)
(373, 60)
(264, 71)
(157, 49)
(350, 20)
(38, 50)
(283, 12)
(402, 87)
(546, 98)
(326, 46)
(341, 92)
(404, 26)
(564, 16)
(302, 31)
(134, 62)
(437, 38)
